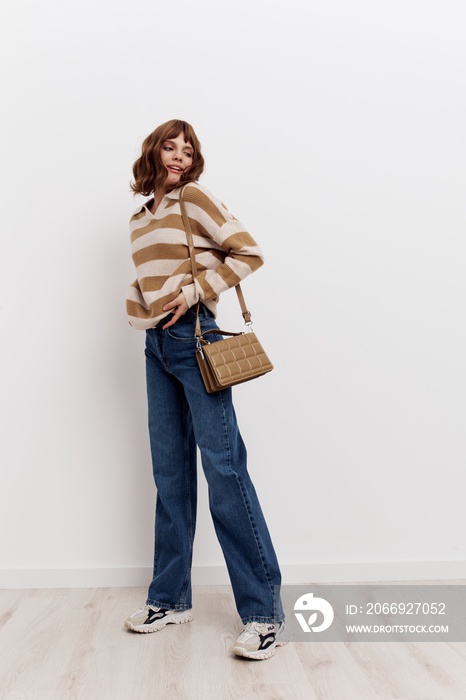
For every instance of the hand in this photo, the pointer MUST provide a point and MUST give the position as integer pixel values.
(178, 306)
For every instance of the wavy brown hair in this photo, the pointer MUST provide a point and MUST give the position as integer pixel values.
(148, 170)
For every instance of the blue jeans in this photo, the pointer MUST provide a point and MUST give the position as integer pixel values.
(182, 415)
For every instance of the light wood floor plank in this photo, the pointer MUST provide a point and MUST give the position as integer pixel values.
(403, 669)
(449, 666)
(331, 672)
(9, 601)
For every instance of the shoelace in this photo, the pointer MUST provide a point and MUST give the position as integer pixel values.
(145, 609)
(253, 628)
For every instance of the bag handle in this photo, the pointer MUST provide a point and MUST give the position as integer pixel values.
(189, 236)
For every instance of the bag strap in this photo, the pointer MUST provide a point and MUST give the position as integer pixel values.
(189, 236)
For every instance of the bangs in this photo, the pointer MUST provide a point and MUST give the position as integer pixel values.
(182, 128)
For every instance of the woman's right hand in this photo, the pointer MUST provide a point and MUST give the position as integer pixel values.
(178, 306)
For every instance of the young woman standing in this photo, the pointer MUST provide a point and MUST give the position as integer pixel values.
(182, 415)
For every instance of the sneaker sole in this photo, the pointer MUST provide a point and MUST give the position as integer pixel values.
(258, 655)
(158, 625)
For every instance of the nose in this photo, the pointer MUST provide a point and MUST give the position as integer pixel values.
(176, 157)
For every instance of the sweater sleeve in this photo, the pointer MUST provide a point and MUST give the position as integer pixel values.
(237, 251)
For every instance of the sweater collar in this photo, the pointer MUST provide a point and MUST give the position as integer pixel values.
(173, 194)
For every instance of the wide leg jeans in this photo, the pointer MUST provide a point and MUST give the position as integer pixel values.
(182, 415)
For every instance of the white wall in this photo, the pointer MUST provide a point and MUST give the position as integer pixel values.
(335, 132)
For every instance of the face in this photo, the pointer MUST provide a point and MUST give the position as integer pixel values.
(177, 157)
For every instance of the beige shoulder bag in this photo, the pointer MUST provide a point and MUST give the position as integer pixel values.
(233, 360)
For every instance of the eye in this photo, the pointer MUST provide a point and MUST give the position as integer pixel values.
(167, 148)
(188, 154)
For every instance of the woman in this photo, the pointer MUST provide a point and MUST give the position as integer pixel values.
(182, 415)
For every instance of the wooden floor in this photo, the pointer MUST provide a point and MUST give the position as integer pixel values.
(71, 645)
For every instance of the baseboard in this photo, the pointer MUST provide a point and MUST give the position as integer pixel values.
(318, 572)
(383, 571)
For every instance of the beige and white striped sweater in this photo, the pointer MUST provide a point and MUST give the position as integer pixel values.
(225, 254)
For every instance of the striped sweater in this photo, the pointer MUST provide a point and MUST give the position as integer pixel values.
(225, 254)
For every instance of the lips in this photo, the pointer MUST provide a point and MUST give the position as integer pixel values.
(175, 168)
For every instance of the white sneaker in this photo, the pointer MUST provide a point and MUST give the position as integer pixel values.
(152, 619)
(259, 639)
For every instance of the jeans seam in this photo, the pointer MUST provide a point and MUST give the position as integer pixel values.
(225, 430)
(246, 502)
(254, 529)
(189, 505)
(155, 543)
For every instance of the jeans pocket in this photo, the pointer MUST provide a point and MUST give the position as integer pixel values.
(183, 332)
(186, 332)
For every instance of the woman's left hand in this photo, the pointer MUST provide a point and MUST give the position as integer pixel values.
(178, 306)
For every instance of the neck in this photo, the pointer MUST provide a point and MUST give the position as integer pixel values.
(159, 194)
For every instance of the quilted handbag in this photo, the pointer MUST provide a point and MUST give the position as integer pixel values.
(233, 360)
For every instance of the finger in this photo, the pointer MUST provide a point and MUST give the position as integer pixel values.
(173, 319)
(174, 303)
(170, 306)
